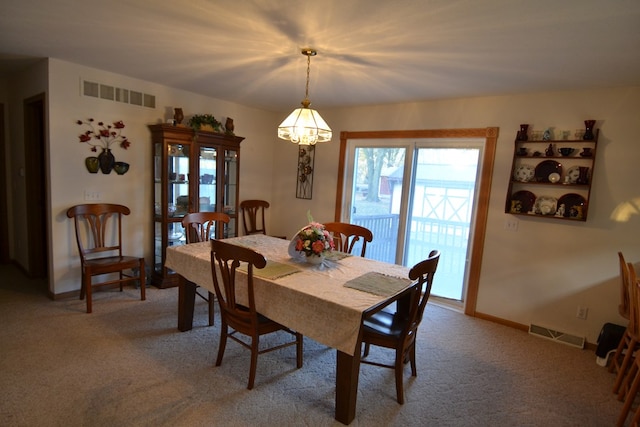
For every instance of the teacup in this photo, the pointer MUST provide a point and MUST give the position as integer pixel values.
(565, 151)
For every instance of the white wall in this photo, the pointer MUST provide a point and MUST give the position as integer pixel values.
(544, 271)
(69, 179)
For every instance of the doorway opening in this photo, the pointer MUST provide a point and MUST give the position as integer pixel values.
(35, 184)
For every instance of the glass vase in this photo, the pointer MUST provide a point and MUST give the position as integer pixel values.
(315, 259)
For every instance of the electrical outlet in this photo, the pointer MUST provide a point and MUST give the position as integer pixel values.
(511, 224)
(582, 313)
(91, 196)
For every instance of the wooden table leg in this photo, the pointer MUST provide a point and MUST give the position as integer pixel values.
(347, 373)
(186, 302)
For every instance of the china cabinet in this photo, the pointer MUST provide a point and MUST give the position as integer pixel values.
(193, 171)
(551, 178)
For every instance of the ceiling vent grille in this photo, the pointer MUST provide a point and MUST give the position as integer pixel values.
(117, 94)
(562, 337)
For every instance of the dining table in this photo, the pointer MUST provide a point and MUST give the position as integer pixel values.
(326, 302)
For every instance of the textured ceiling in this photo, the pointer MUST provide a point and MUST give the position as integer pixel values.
(369, 51)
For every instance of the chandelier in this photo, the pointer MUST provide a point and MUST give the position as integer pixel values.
(305, 126)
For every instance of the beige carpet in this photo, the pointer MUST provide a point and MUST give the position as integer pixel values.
(127, 365)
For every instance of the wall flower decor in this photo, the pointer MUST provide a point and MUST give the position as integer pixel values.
(103, 136)
(306, 160)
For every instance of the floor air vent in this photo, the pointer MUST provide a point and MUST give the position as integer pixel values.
(562, 337)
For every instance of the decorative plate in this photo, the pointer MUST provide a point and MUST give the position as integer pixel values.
(574, 206)
(524, 173)
(546, 168)
(522, 202)
(546, 205)
(573, 174)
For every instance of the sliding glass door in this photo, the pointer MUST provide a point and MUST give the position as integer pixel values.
(415, 198)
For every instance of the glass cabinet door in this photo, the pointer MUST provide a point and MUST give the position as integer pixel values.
(207, 168)
(230, 192)
(178, 182)
(158, 244)
(171, 198)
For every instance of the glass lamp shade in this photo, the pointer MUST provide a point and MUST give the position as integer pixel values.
(305, 127)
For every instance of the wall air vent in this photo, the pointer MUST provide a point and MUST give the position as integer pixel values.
(117, 94)
(562, 337)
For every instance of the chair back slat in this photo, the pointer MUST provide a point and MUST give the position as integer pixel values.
(98, 228)
(253, 214)
(199, 226)
(624, 306)
(346, 236)
(423, 272)
(634, 303)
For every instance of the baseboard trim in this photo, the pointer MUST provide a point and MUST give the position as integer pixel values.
(520, 326)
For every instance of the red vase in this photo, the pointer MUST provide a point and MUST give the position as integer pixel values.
(588, 132)
(522, 133)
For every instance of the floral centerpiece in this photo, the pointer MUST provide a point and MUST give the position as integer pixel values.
(104, 136)
(314, 240)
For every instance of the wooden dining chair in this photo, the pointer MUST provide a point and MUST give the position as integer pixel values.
(623, 357)
(398, 330)
(201, 227)
(253, 216)
(631, 381)
(346, 236)
(98, 229)
(241, 318)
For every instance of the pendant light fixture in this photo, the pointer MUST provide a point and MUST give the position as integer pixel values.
(305, 126)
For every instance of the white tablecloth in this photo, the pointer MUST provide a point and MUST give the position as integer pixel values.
(314, 301)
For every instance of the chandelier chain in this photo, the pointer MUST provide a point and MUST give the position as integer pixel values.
(306, 92)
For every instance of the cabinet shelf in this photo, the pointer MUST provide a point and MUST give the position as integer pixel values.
(586, 158)
(533, 215)
(541, 141)
(530, 192)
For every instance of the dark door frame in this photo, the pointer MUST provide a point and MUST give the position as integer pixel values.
(4, 202)
(35, 173)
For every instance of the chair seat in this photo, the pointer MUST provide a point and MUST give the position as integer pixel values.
(112, 261)
(264, 323)
(384, 323)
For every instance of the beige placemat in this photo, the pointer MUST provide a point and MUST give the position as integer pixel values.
(273, 270)
(378, 284)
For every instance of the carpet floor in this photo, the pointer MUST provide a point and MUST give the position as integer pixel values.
(126, 364)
